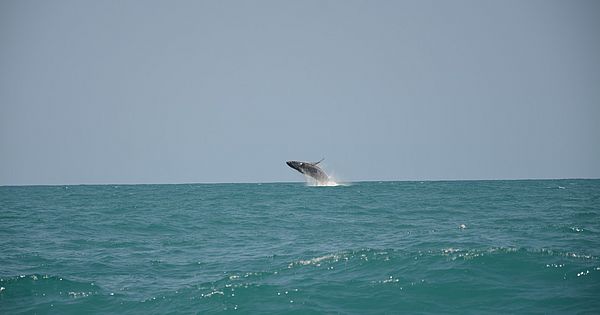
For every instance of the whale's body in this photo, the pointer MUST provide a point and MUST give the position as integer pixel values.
(311, 170)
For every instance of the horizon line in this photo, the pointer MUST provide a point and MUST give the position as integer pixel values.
(293, 182)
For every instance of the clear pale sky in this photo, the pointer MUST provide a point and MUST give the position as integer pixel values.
(227, 91)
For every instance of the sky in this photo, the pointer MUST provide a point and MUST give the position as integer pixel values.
(107, 92)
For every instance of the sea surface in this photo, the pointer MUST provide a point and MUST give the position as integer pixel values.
(447, 247)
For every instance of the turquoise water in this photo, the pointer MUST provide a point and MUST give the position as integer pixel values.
(371, 247)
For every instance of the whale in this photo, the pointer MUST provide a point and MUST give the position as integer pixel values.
(310, 169)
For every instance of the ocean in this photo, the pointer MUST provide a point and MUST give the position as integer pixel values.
(433, 247)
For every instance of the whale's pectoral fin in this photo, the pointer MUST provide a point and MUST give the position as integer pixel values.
(315, 163)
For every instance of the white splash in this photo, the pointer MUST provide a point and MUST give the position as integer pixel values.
(314, 183)
(317, 261)
(331, 182)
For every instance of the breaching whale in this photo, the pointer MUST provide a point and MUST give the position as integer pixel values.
(311, 170)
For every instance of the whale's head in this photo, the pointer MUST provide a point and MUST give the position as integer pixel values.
(298, 166)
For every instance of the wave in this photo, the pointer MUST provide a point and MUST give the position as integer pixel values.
(343, 281)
